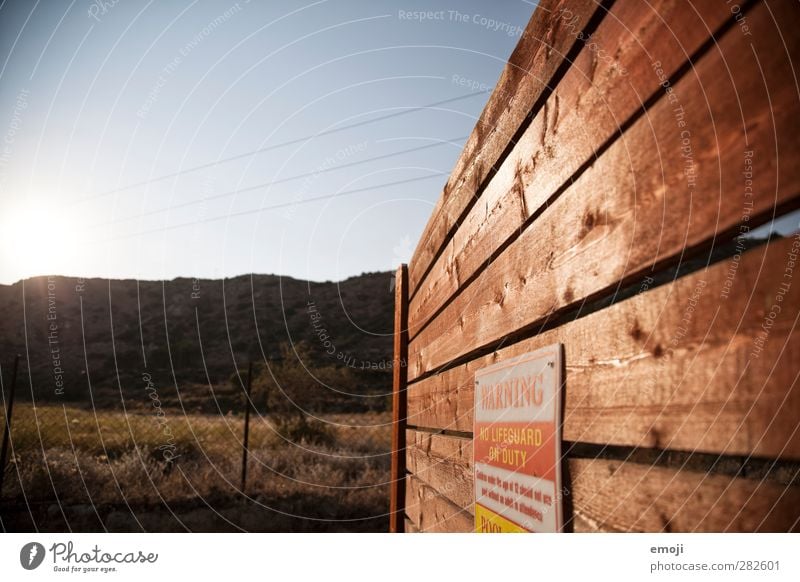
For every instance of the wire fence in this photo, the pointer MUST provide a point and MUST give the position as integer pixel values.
(332, 469)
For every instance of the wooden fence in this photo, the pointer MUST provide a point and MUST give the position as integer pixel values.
(600, 203)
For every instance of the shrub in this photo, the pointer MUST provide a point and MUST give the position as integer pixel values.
(298, 428)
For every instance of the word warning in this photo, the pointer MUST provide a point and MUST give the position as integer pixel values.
(518, 444)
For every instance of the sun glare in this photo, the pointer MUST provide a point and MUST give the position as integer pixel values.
(38, 239)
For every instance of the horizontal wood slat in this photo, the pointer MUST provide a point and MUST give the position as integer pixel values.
(540, 52)
(635, 207)
(606, 181)
(609, 495)
(587, 108)
(444, 463)
(619, 496)
(431, 512)
(672, 367)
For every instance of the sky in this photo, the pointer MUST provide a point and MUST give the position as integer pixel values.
(312, 139)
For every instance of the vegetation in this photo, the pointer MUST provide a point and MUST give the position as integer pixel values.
(190, 342)
(332, 469)
(149, 409)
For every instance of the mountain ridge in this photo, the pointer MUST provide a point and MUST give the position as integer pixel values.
(192, 335)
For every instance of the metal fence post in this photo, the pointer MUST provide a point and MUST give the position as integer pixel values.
(9, 410)
(246, 424)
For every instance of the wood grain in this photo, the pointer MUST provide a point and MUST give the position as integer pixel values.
(430, 511)
(615, 496)
(541, 50)
(598, 94)
(399, 401)
(443, 462)
(619, 496)
(672, 367)
(635, 210)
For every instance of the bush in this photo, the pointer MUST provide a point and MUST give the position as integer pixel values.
(301, 429)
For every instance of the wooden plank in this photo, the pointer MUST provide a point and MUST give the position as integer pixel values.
(411, 527)
(610, 495)
(538, 55)
(432, 512)
(444, 463)
(595, 97)
(635, 209)
(399, 401)
(619, 496)
(672, 367)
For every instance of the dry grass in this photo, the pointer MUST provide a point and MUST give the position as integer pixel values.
(114, 433)
(82, 457)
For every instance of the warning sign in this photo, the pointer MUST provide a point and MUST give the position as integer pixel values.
(518, 444)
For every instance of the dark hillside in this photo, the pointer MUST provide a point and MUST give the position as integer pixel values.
(191, 336)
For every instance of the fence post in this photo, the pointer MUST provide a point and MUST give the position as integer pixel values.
(246, 424)
(9, 410)
(399, 414)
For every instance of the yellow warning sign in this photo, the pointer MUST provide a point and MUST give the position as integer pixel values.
(486, 521)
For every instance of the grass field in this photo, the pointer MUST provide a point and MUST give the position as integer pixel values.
(334, 468)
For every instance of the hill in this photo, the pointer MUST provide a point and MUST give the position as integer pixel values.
(187, 342)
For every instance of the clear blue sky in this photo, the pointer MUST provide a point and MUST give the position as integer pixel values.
(97, 96)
